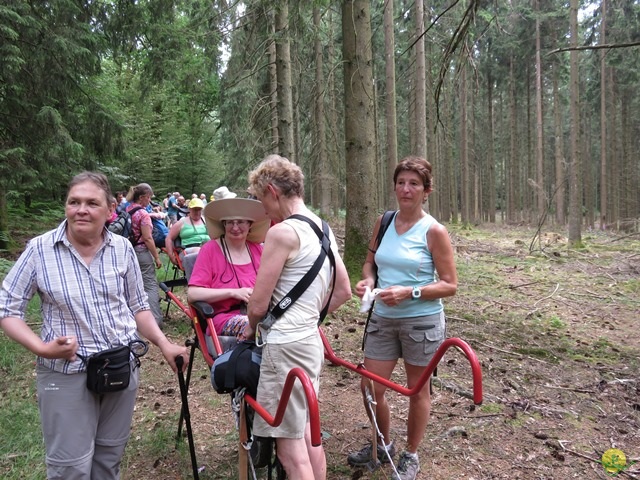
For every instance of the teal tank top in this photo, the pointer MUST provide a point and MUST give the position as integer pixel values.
(405, 260)
(193, 235)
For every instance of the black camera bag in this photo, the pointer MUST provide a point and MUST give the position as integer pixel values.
(238, 367)
(110, 370)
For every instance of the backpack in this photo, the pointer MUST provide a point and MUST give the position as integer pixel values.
(123, 226)
(159, 232)
(238, 367)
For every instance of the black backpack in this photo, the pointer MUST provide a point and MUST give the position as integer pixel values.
(239, 367)
(123, 226)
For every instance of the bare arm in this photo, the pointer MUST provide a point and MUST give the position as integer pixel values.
(174, 233)
(342, 289)
(19, 331)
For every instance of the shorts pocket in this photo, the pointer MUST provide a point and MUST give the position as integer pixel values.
(431, 336)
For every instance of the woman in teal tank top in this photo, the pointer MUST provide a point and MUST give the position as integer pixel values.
(192, 233)
(413, 269)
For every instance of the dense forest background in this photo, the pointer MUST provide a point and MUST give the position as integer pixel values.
(528, 110)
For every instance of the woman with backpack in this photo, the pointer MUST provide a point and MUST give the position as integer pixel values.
(291, 249)
(414, 268)
(139, 198)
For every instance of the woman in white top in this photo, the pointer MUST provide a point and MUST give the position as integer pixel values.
(290, 249)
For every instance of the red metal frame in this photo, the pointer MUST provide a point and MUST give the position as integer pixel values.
(448, 343)
(312, 401)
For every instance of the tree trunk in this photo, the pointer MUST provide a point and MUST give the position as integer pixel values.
(324, 187)
(540, 190)
(286, 140)
(420, 84)
(603, 120)
(465, 184)
(273, 87)
(491, 160)
(359, 131)
(575, 185)
(559, 152)
(390, 104)
(511, 162)
(336, 156)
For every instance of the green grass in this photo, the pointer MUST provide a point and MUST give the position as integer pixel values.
(21, 449)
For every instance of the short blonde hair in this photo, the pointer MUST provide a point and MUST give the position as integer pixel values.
(279, 172)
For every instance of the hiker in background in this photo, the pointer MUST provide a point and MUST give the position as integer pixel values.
(91, 294)
(408, 319)
(192, 233)
(291, 248)
(144, 245)
(172, 208)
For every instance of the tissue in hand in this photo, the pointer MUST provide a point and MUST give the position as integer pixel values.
(368, 298)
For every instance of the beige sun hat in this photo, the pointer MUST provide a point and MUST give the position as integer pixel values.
(222, 193)
(237, 209)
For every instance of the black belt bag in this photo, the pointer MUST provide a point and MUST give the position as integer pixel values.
(110, 370)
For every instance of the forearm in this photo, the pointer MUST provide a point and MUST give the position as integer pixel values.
(17, 330)
(149, 329)
(209, 295)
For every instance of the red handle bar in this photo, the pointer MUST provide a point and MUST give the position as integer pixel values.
(448, 343)
(312, 402)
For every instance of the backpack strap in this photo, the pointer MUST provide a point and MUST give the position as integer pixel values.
(325, 249)
(131, 212)
(385, 221)
(230, 376)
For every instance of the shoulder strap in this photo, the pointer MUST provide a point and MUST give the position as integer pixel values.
(134, 210)
(293, 294)
(384, 225)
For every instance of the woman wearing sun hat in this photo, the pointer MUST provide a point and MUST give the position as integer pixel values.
(226, 268)
(192, 232)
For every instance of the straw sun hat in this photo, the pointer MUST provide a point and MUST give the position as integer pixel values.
(237, 209)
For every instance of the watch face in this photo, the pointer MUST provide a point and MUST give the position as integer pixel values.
(416, 292)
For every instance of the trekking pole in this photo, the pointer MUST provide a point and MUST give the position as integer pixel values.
(187, 416)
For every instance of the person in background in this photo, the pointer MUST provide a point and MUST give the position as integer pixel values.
(222, 193)
(159, 230)
(290, 249)
(225, 270)
(172, 208)
(91, 294)
(144, 245)
(121, 202)
(203, 197)
(192, 232)
(182, 207)
(415, 270)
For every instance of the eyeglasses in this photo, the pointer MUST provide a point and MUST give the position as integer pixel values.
(237, 223)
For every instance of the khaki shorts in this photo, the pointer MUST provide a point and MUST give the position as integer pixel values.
(277, 361)
(415, 339)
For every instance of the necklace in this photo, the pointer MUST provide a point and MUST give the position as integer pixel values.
(227, 256)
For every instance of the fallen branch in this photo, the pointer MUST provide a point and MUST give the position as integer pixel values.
(548, 296)
(578, 390)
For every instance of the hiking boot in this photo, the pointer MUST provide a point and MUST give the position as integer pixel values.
(408, 467)
(363, 457)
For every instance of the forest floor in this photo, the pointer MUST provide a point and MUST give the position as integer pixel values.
(556, 332)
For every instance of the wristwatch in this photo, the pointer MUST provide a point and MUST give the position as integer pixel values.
(415, 293)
